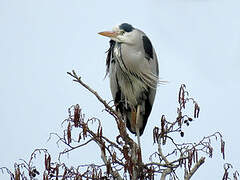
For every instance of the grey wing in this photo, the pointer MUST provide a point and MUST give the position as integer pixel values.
(154, 64)
(155, 70)
(151, 57)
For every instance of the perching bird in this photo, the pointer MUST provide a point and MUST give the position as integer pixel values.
(133, 70)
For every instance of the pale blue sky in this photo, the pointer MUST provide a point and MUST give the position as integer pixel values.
(197, 43)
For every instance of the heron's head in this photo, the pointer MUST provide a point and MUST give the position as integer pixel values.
(124, 33)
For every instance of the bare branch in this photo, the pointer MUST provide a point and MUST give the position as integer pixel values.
(122, 158)
(194, 169)
(108, 108)
(165, 173)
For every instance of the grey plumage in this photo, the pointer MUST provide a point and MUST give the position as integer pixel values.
(133, 70)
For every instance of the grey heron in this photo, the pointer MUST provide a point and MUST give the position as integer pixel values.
(133, 70)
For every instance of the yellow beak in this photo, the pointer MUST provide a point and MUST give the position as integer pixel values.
(108, 34)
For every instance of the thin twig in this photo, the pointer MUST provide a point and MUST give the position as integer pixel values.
(108, 108)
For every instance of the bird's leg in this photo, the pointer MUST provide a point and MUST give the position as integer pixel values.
(133, 118)
(137, 125)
